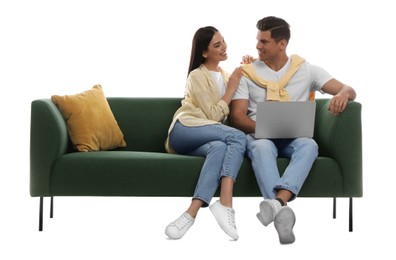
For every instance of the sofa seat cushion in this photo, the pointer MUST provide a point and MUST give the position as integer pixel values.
(325, 173)
(126, 173)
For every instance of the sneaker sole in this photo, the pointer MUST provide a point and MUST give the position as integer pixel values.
(265, 209)
(284, 223)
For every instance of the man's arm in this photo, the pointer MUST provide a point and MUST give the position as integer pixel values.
(239, 118)
(342, 94)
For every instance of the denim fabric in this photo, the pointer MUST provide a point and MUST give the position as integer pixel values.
(223, 146)
(302, 153)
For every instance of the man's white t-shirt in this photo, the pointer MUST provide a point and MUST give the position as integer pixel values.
(307, 79)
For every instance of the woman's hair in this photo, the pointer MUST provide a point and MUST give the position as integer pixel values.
(279, 28)
(200, 43)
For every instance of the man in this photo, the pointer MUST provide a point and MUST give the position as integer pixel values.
(275, 76)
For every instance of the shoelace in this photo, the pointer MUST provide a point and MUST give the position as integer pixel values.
(231, 217)
(182, 222)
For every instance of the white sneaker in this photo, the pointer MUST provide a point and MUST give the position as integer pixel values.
(180, 226)
(268, 211)
(284, 223)
(225, 217)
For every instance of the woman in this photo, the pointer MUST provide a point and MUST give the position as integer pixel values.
(197, 129)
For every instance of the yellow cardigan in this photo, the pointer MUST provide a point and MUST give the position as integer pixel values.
(202, 104)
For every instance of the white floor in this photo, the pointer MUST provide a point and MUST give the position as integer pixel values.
(133, 228)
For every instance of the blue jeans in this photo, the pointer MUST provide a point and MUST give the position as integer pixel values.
(223, 146)
(263, 153)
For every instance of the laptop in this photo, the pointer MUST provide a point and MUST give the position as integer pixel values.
(285, 119)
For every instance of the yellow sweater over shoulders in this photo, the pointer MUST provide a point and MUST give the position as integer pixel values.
(276, 90)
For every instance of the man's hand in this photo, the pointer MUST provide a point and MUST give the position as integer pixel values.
(342, 94)
(338, 103)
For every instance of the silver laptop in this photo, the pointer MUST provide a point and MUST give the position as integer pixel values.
(285, 119)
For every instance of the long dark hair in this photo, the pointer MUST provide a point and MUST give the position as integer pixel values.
(200, 43)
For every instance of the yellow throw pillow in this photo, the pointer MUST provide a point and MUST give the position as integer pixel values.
(90, 121)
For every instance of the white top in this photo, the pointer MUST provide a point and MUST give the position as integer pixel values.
(220, 82)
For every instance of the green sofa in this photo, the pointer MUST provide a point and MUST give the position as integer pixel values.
(143, 168)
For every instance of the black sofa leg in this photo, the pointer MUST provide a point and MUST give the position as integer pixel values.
(41, 211)
(350, 212)
(334, 207)
(52, 207)
(41, 215)
(350, 215)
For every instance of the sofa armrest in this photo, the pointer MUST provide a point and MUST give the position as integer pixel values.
(340, 137)
(48, 140)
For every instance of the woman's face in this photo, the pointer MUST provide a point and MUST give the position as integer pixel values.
(217, 49)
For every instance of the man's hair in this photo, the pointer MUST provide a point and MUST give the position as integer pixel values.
(279, 28)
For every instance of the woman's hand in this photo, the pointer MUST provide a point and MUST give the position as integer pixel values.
(232, 85)
(247, 59)
(234, 79)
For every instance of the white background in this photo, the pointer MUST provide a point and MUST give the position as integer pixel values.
(142, 48)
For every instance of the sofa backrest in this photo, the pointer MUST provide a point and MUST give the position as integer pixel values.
(144, 121)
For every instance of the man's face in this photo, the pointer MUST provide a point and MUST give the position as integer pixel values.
(266, 47)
